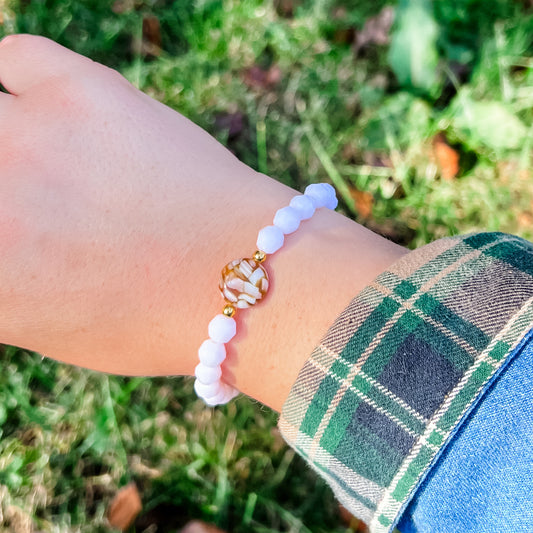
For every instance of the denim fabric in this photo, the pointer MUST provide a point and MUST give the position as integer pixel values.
(483, 480)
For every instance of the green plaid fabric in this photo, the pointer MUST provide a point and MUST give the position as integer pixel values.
(401, 366)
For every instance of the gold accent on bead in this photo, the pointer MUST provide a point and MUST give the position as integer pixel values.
(228, 310)
(260, 256)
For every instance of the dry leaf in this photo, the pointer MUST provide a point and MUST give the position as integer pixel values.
(363, 202)
(196, 526)
(376, 29)
(286, 8)
(257, 78)
(232, 123)
(447, 158)
(125, 507)
(344, 34)
(151, 43)
(525, 219)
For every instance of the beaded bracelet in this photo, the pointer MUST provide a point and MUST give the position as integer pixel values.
(243, 283)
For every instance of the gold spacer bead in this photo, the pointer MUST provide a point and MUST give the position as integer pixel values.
(228, 310)
(260, 256)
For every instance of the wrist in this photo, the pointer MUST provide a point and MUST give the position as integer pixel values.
(320, 268)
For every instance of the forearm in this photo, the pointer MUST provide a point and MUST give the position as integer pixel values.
(313, 277)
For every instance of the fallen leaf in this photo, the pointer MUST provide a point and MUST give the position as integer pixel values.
(257, 78)
(376, 30)
(344, 34)
(286, 8)
(125, 507)
(151, 42)
(446, 157)
(363, 202)
(196, 526)
(525, 220)
(232, 123)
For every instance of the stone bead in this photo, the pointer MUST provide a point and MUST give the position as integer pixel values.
(304, 205)
(222, 328)
(207, 374)
(287, 219)
(207, 391)
(322, 194)
(243, 282)
(211, 353)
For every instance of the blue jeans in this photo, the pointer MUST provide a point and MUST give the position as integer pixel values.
(483, 480)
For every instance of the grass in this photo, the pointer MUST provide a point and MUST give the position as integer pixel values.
(425, 135)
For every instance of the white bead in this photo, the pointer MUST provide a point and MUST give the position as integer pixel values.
(218, 398)
(270, 239)
(304, 205)
(332, 202)
(231, 393)
(211, 353)
(206, 391)
(317, 193)
(222, 328)
(287, 219)
(208, 374)
(226, 393)
(322, 194)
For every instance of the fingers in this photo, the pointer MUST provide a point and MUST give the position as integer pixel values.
(26, 60)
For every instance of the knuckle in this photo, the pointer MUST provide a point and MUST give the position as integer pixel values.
(22, 41)
(11, 40)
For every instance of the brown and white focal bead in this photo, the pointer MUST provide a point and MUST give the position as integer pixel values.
(243, 282)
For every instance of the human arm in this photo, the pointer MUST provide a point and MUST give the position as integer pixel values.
(117, 216)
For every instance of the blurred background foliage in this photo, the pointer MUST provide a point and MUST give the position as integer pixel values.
(418, 111)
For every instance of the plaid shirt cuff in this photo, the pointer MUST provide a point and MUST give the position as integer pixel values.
(395, 374)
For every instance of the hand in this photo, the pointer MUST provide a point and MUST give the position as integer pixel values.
(112, 207)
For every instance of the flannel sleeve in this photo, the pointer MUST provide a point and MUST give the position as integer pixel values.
(394, 376)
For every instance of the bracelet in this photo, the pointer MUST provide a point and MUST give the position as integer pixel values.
(243, 283)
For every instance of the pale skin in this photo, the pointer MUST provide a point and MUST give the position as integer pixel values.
(117, 216)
